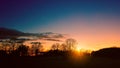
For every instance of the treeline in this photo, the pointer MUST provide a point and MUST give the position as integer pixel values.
(17, 48)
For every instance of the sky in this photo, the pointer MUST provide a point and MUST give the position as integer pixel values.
(93, 23)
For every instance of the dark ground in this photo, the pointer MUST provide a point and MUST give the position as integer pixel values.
(57, 62)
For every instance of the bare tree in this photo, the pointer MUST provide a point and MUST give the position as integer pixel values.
(36, 47)
(23, 50)
(70, 44)
(63, 47)
(5, 46)
(55, 46)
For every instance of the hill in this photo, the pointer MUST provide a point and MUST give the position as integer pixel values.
(112, 52)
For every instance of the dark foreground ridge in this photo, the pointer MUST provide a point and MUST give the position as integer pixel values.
(57, 62)
(103, 58)
(112, 52)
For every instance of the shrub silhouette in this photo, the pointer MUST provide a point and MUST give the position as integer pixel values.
(3, 53)
(55, 53)
(22, 50)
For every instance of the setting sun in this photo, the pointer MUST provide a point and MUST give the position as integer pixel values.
(77, 48)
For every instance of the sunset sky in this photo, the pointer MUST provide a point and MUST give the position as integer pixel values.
(93, 23)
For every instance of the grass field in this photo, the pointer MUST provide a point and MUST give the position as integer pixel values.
(58, 62)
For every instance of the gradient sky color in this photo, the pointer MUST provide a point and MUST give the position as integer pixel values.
(94, 23)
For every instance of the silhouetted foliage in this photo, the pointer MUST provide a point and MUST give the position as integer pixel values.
(55, 46)
(70, 43)
(55, 53)
(63, 47)
(36, 52)
(3, 53)
(22, 50)
(36, 47)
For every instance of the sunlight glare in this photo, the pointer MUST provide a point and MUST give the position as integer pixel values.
(78, 48)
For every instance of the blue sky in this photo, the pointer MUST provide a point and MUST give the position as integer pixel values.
(92, 22)
(26, 15)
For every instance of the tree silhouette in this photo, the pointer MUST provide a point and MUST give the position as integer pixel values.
(12, 44)
(23, 50)
(70, 44)
(5, 46)
(55, 46)
(36, 47)
(63, 47)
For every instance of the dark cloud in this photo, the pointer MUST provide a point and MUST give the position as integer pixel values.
(51, 39)
(51, 35)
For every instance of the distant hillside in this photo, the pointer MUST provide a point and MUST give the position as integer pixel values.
(112, 52)
(6, 33)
